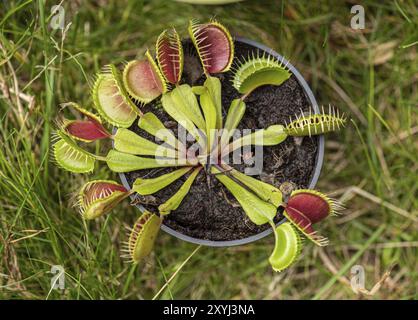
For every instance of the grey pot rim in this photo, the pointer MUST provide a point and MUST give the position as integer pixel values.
(314, 180)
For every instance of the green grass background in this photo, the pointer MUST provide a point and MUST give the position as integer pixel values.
(371, 165)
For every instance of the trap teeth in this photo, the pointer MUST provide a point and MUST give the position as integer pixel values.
(112, 101)
(98, 197)
(170, 56)
(258, 70)
(306, 207)
(143, 235)
(213, 44)
(314, 124)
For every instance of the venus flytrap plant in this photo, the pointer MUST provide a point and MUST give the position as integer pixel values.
(170, 56)
(214, 45)
(307, 207)
(143, 79)
(249, 75)
(257, 71)
(87, 130)
(111, 99)
(314, 124)
(215, 48)
(141, 237)
(66, 152)
(283, 256)
(119, 99)
(69, 156)
(99, 197)
(128, 144)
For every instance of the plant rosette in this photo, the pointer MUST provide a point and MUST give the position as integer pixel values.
(218, 141)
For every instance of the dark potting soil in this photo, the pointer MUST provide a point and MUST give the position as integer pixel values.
(209, 211)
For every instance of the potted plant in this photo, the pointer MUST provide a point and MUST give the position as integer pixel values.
(215, 141)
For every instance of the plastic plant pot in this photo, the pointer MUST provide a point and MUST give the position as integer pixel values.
(312, 183)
